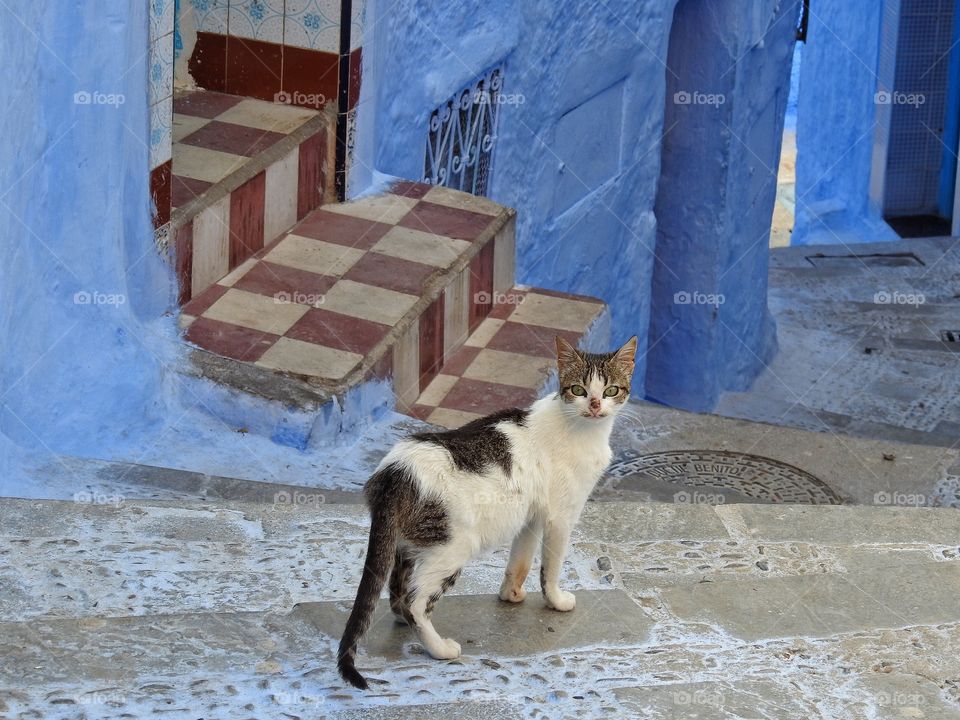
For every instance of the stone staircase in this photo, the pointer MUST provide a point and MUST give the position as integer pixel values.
(414, 287)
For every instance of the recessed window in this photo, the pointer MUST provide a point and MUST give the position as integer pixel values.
(463, 135)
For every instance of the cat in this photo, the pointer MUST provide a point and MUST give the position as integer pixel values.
(438, 499)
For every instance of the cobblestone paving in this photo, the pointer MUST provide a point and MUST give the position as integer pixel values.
(175, 610)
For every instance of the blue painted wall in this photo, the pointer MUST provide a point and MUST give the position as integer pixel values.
(580, 157)
(836, 126)
(80, 279)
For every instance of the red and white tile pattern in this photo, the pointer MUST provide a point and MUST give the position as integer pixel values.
(216, 135)
(325, 297)
(508, 357)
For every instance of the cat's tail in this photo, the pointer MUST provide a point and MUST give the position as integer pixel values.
(380, 551)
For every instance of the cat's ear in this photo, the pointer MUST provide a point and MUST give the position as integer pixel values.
(566, 353)
(626, 354)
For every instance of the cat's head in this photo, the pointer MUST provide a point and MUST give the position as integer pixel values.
(594, 386)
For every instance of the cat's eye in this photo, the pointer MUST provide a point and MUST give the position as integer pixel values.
(578, 390)
(611, 391)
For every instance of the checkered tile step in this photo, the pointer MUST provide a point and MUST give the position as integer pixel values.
(234, 203)
(215, 135)
(508, 359)
(386, 286)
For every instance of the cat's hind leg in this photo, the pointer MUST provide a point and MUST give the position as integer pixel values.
(521, 558)
(435, 572)
(403, 563)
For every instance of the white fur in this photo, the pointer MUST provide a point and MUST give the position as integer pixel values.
(558, 456)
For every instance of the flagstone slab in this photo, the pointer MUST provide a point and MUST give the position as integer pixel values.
(883, 596)
(483, 624)
(844, 525)
(756, 700)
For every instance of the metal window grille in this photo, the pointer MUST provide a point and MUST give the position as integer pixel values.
(463, 135)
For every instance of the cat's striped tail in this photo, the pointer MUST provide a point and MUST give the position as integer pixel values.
(380, 551)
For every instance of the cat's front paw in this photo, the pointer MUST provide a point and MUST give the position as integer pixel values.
(512, 593)
(561, 600)
(446, 649)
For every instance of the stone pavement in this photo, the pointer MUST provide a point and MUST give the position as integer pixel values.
(869, 342)
(221, 609)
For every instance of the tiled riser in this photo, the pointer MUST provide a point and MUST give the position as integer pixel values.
(448, 321)
(225, 234)
(510, 355)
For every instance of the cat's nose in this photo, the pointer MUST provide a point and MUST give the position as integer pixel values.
(594, 403)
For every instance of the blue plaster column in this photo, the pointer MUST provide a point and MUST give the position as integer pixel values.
(81, 280)
(727, 86)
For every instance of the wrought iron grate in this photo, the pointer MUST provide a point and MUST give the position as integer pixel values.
(463, 135)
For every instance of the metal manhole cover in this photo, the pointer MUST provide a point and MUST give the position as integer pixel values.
(753, 476)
